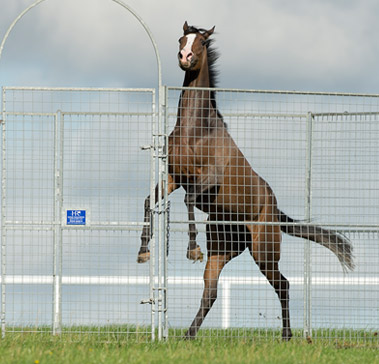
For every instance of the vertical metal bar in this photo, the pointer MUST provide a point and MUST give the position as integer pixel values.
(57, 251)
(161, 213)
(225, 315)
(166, 209)
(55, 237)
(307, 246)
(152, 206)
(3, 218)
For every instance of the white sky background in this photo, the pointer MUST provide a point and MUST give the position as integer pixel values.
(317, 45)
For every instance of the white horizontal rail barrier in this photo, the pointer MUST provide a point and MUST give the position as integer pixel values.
(225, 284)
(135, 280)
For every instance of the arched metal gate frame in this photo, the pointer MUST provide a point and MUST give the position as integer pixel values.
(158, 281)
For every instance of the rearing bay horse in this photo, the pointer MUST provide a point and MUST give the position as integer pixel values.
(241, 206)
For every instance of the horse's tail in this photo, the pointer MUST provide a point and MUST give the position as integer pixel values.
(331, 239)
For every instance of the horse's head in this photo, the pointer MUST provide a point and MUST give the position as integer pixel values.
(193, 47)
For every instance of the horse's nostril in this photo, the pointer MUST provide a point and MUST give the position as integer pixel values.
(180, 55)
(189, 56)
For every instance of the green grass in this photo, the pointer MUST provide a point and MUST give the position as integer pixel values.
(43, 348)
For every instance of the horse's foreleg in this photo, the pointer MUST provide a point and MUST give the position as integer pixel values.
(203, 183)
(193, 250)
(212, 272)
(144, 253)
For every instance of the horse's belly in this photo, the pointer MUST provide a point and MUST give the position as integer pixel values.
(241, 201)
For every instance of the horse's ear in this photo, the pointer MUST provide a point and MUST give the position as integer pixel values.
(185, 27)
(209, 32)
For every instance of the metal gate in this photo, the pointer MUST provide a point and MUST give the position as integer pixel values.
(74, 180)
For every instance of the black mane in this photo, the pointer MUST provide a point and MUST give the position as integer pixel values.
(212, 55)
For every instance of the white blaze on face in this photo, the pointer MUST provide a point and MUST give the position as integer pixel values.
(187, 50)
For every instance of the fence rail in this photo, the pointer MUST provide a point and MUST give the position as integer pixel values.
(225, 285)
(195, 280)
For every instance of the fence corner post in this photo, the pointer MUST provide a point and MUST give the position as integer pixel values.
(307, 244)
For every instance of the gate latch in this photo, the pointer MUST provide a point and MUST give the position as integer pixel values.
(149, 301)
(146, 147)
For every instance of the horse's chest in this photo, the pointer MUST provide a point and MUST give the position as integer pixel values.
(183, 158)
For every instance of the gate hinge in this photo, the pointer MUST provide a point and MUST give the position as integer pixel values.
(149, 301)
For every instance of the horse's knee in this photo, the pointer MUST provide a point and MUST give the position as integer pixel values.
(276, 279)
(266, 259)
(281, 286)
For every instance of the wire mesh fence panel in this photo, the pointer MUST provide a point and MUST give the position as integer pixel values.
(319, 155)
(345, 176)
(286, 169)
(74, 183)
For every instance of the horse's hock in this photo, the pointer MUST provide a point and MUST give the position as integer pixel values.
(77, 165)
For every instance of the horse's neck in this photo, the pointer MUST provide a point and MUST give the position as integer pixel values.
(197, 78)
(195, 105)
(196, 99)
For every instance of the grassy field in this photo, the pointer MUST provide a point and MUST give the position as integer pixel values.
(37, 348)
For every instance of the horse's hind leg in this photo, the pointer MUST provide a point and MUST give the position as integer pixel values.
(220, 252)
(266, 253)
(213, 268)
(281, 286)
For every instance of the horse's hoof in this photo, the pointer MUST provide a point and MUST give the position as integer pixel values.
(143, 257)
(189, 336)
(286, 335)
(195, 254)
